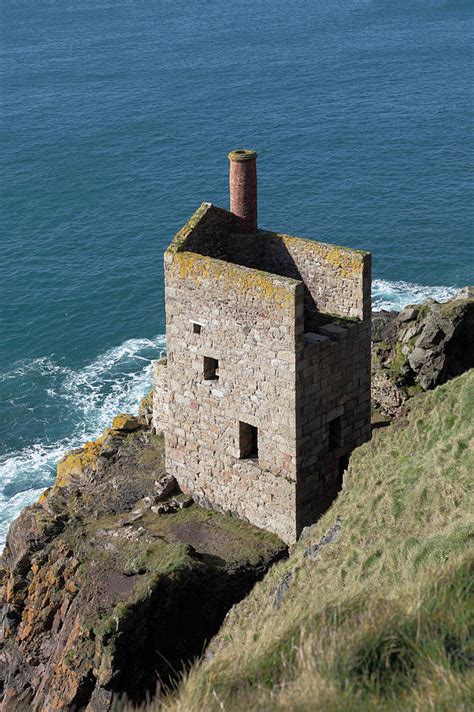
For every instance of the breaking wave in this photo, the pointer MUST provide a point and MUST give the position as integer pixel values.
(85, 400)
(396, 295)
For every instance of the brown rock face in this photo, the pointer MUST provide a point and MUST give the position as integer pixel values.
(101, 595)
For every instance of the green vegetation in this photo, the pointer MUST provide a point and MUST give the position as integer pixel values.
(382, 617)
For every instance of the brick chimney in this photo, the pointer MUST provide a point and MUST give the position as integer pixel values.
(243, 188)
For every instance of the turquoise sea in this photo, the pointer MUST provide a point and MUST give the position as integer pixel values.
(117, 117)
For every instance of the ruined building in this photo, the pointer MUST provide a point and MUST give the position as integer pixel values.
(266, 389)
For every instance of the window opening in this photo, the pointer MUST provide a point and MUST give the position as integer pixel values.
(335, 428)
(210, 369)
(248, 441)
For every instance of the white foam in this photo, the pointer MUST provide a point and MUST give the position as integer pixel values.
(396, 295)
(116, 381)
(35, 464)
(12, 507)
(42, 366)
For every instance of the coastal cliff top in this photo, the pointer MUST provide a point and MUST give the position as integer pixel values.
(115, 579)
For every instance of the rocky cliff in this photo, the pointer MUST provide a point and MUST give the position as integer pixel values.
(114, 580)
(419, 348)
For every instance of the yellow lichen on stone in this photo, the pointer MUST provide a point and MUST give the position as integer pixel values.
(44, 496)
(280, 291)
(126, 422)
(101, 439)
(75, 462)
(182, 235)
(347, 262)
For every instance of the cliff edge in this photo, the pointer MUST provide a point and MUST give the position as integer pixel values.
(373, 608)
(114, 580)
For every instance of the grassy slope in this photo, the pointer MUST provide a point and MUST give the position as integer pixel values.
(380, 619)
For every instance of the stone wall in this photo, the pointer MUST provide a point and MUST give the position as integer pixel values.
(160, 396)
(241, 357)
(333, 411)
(337, 279)
(248, 322)
(206, 233)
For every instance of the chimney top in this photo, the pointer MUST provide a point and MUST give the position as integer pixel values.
(242, 154)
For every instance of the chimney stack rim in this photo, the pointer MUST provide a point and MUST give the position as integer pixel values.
(242, 154)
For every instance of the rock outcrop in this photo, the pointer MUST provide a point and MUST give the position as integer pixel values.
(419, 348)
(114, 580)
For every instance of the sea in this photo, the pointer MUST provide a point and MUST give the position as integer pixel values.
(117, 117)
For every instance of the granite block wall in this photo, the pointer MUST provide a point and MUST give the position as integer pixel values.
(246, 323)
(333, 412)
(268, 341)
(337, 279)
(160, 396)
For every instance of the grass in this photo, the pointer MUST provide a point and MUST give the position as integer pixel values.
(383, 618)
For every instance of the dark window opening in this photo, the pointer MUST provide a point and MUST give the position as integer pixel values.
(335, 428)
(211, 369)
(196, 328)
(248, 441)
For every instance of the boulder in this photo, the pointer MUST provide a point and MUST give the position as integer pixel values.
(408, 313)
(125, 422)
(164, 487)
(384, 327)
(386, 395)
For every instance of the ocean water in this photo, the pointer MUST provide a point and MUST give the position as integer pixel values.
(117, 119)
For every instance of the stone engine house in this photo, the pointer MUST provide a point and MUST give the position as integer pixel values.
(266, 387)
